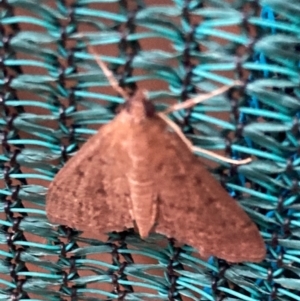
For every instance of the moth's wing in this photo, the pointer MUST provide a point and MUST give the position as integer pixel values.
(89, 193)
(194, 208)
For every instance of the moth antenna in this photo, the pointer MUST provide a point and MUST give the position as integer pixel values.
(190, 103)
(109, 75)
(193, 148)
(201, 98)
(185, 105)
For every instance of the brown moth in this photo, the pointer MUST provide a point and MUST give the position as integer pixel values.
(137, 171)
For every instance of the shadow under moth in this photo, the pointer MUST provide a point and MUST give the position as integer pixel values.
(136, 171)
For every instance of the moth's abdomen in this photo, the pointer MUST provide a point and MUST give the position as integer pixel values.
(143, 203)
(142, 192)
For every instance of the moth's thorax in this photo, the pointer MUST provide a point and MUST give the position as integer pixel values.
(138, 108)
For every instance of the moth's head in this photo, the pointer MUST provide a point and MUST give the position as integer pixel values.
(139, 107)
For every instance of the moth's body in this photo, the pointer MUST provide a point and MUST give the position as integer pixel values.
(139, 174)
(136, 170)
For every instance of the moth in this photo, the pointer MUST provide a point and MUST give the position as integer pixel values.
(136, 171)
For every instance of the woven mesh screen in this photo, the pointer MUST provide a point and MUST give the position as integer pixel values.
(54, 96)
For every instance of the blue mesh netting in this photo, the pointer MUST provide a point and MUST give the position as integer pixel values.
(54, 96)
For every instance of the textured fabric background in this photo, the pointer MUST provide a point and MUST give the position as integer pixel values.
(53, 96)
